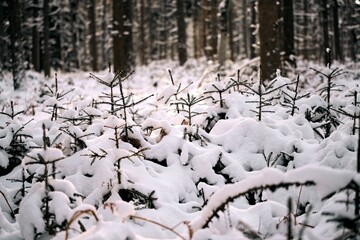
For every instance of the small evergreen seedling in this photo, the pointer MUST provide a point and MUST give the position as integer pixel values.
(291, 98)
(325, 91)
(54, 102)
(219, 89)
(11, 114)
(174, 92)
(187, 106)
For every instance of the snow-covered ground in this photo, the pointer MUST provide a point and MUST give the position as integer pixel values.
(206, 155)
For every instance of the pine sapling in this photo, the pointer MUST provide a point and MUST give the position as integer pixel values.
(175, 93)
(325, 91)
(219, 89)
(54, 103)
(44, 177)
(290, 99)
(187, 106)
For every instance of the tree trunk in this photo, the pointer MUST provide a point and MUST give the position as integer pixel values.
(46, 39)
(252, 30)
(128, 36)
(338, 50)
(92, 42)
(224, 15)
(306, 55)
(268, 33)
(122, 36)
(196, 28)
(214, 27)
(143, 57)
(2, 39)
(14, 28)
(244, 23)
(325, 27)
(181, 44)
(230, 29)
(288, 28)
(35, 39)
(75, 35)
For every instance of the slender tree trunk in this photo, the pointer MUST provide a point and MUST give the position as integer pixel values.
(338, 50)
(46, 39)
(325, 27)
(128, 36)
(93, 42)
(2, 33)
(181, 45)
(305, 50)
(119, 56)
(205, 31)
(288, 28)
(245, 30)
(14, 28)
(230, 29)
(196, 28)
(143, 57)
(252, 30)
(214, 27)
(35, 39)
(75, 35)
(268, 33)
(224, 14)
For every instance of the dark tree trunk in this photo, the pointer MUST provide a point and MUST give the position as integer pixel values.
(230, 29)
(35, 39)
(338, 50)
(224, 17)
(268, 33)
(119, 56)
(214, 27)
(46, 39)
(128, 36)
(288, 31)
(306, 55)
(75, 35)
(252, 30)
(181, 26)
(143, 57)
(2, 39)
(122, 36)
(196, 28)
(14, 28)
(92, 28)
(245, 29)
(325, 28)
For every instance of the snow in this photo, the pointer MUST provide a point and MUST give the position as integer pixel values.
(227, 176)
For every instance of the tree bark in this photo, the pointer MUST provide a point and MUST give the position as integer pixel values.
(224, 16)
(214, 27)
(268, 33)
(35, 39)
(2, 33)
(143, 55)
(196, 28)
(14, 28)
(338, 50)
(122, 36)
(181, 26)
(93, 42)
(288, 28)
(252, 30)
(325, 27)
(46, 38)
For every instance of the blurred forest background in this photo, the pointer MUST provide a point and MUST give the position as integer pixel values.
(88, 35)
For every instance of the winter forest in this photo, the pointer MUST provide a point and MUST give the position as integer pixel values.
(179, 119)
